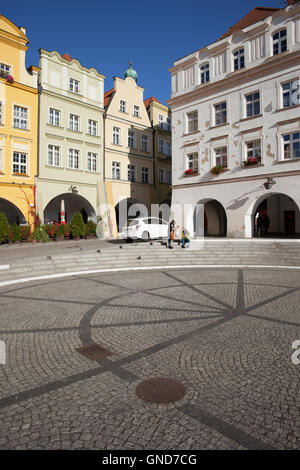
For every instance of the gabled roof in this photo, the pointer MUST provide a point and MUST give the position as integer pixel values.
(108, 96)
(150, 100)
(254, 16)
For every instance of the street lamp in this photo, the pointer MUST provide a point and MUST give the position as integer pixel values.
(269, 183)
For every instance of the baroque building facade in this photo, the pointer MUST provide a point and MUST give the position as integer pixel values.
(236, 128)
(18, 126)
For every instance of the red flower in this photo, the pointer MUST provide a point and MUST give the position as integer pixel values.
(10, 79)
(189, 171)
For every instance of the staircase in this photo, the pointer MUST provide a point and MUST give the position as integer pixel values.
(156, 254)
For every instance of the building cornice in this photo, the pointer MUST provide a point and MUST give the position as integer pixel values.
(20, 86)
(70, 62)
(64, 98)
(239, 78)
(240, 179)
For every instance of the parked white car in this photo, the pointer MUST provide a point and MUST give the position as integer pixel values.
(145, 228)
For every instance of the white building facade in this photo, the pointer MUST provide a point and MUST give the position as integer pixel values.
(236, 129)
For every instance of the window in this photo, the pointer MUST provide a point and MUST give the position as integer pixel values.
(189, 77)
(221, 156)
(279, 42)
(253, 149)
(239, 59)
(131, 172)
(92, 127)
(291, 146)
(19, 163)
(192, 121)
(123, 106)
(74, 85)
(20, 117)
(204, 69)
(290, 93)
(168, 124)
(131, 139)
(168, 148)
(161, 175)
(252, 104)
(169, 176)
(160, 121)
(116, 135)
(192, 161)
(92, 161)
(54, 117)
(74, 159)
(136, 111)
(53, 155)
(145, 175)
(220, 113)
(74, 123)
(145, 143)
(116, 170)
(4, 70)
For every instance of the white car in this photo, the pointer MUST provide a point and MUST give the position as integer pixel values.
(145, 228)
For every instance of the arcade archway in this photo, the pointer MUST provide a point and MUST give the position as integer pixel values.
(210, 219)
(13, 214)
(73, 203)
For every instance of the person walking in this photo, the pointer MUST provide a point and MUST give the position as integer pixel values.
(171, 233)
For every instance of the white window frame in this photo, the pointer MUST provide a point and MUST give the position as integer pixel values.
(279, 42)
(238, 57)
(219, 113)
(116, 135)
(255, 150)
(136, 111)
(204, 73)
(252, 103)
(20, 164)
(54, 117)
(74, 122)
(292, 92)
(160, 121)
(92, 127)
(291, 146)
(131, 173)
(145, 143)
(123, 106)
(116, 170)
(131, 139)
(74, 85)
(192, 122)
(161, 175)
(192, 162)
(221, 153)
(92, 162)
(145, 175)
(74, 157)
(5, 70)
(22, 118)
(53, 155)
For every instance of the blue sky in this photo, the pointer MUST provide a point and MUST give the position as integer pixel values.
(106, 35)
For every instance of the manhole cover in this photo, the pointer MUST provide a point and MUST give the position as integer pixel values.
(158, 390)
(94, 352)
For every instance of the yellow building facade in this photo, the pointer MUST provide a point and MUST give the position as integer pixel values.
(18, 126)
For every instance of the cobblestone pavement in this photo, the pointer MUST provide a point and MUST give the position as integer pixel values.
(225, 335)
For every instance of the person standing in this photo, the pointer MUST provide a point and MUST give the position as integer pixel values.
(171, 233)
(266, 224)
(259, 225)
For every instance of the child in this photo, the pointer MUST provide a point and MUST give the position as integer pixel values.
(185, 238)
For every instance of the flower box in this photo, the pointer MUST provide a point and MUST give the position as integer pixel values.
(10, 79)
(216, 170)
(190, 172)
(252, 161)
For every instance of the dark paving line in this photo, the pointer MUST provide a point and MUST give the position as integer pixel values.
(213, 315)
(240, 293)
(62, 301)
(50, 387)
(199, 291)
(275, 320)
(170, 309)
(228, 430)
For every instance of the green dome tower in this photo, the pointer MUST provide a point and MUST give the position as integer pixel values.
(130, 72)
